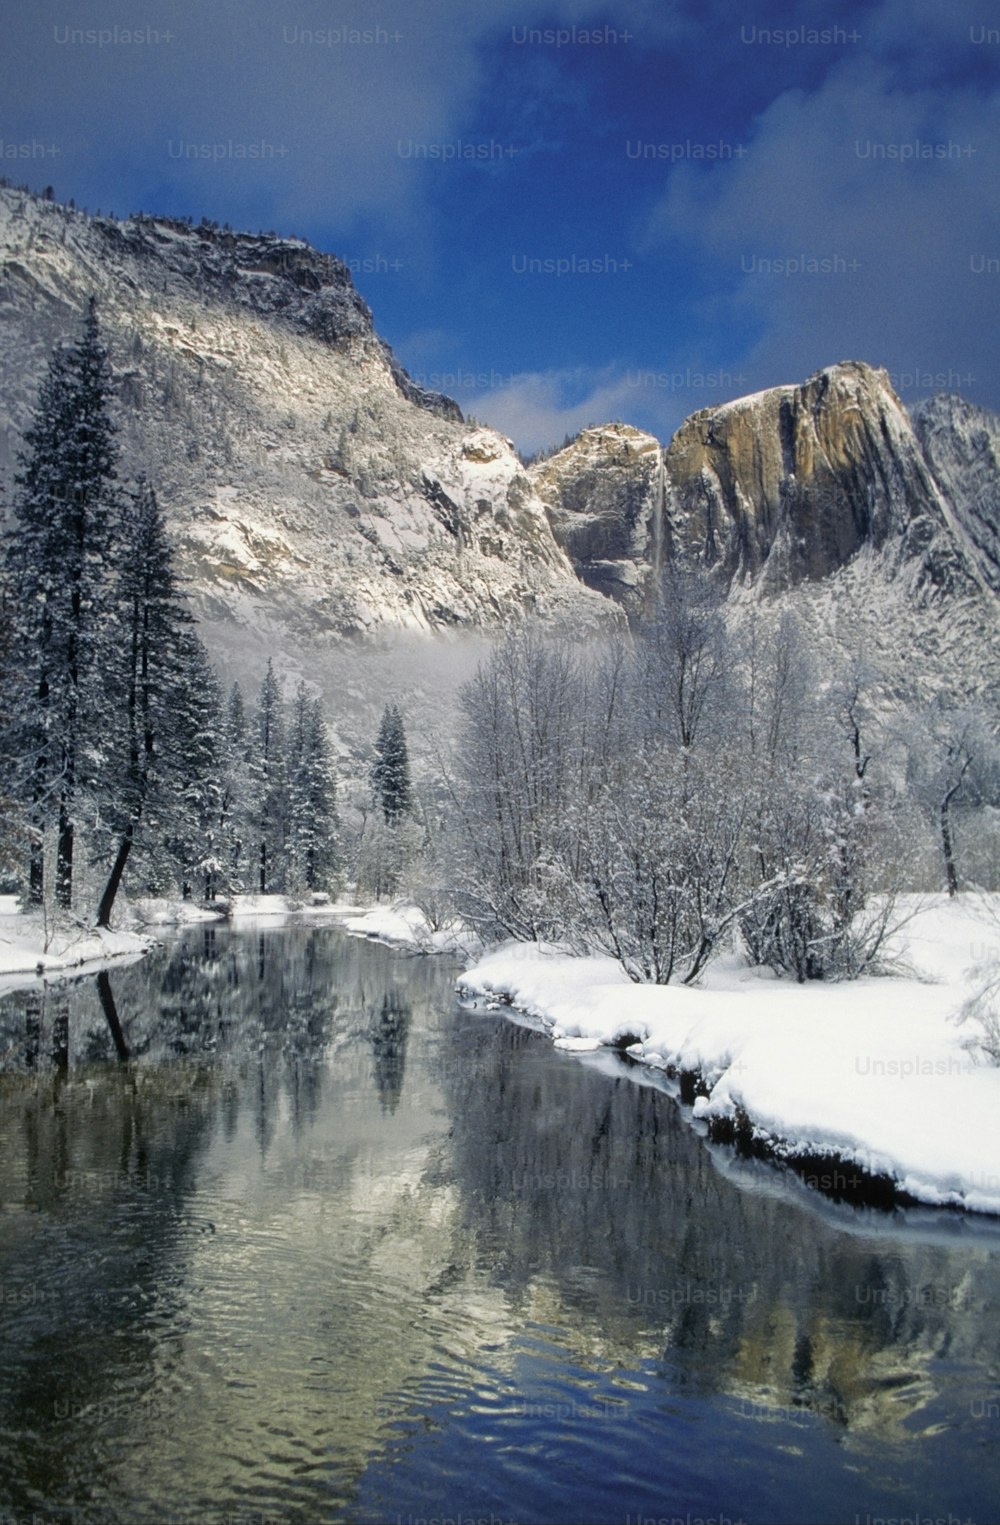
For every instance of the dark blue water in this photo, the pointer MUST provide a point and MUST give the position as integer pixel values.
(288, 1235)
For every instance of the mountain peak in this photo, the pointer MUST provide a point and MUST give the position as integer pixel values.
(275, 277)
(778, 487)
(313, 491)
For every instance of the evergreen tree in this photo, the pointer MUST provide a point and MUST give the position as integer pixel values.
(196, 745)
(236, 717)
(268, 799)
(390, 769)
(234, 802)
(11, 820)
(59, 563)
(312, 815)
(164, 771)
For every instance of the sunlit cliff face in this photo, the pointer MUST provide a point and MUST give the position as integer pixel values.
(311, 487)
(771, 490)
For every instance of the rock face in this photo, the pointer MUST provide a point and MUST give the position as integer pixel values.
(313, 490)
(600, 494)
(789, 484)
(782, 487)
(961, 444)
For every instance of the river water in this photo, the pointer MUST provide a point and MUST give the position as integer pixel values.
(298, 1238)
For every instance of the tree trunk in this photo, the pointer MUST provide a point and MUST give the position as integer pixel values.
(36, 868)
(111, 1013)
(64, 859)
(948, 846)
(115, 877)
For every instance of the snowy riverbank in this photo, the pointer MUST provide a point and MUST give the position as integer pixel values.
(872, 1074)
(400, 925)
(32, 947)
(406, 926)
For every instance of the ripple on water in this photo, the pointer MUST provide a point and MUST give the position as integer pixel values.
(339, 1283)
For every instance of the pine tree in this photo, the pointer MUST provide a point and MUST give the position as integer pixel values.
(11, 819)
(312, 814)
(268, 800)
(164, 771)
(236, 717)
(195, 747)
(390, 769)
(59, 565)
(235, 797)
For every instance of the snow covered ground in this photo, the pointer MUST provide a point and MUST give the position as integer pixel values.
(400, 925)
(407, 926)
(29, 948)
(874, 1073)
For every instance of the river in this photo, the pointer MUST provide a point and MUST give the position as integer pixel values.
(299, 1238)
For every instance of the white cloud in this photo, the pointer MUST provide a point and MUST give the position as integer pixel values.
(334, 110)
(537, 409)
(838, 175)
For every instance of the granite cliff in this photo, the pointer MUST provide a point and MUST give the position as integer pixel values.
(782, 487)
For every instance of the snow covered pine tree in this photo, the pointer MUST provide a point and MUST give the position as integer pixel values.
(390, 770)
(312, 814)
(61, 599)
(164, 763)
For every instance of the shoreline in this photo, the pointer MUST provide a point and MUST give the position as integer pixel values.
(868, 1090)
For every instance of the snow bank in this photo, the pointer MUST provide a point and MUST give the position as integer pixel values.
(29, 948)
(400, 925)
(405, 925)
(161, 912)
(254, 907)
(872, 1072)
(167, 912)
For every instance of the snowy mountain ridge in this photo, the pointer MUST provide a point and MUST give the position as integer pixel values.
(313, 490)
(786, 486)
(327, 510)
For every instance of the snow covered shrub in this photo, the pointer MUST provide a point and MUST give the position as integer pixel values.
(687, 783)
(657, 880)
(983, 1010)
(824, 910)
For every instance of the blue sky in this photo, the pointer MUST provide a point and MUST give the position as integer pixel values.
(571, 211)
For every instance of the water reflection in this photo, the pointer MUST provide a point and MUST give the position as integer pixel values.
(388, 1039)
(599, 1191)
(282, 1229)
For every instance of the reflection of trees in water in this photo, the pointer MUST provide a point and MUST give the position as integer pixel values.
(229, 1035)
(598, 1186)
(34, 1029)
(91, 1268)
(274, 998)
(388, 1035)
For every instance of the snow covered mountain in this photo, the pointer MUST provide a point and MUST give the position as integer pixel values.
(311, 485)
(330, 512)
(786, 486)
(961, 444)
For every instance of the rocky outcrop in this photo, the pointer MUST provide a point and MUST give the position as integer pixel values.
(601, 496)
(783, 487)
(789, 484)
(961, 444)
(272, 277)
(313, 490)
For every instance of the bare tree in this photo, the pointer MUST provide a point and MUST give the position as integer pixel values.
(952, 754)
